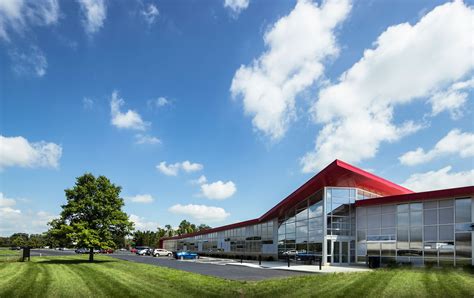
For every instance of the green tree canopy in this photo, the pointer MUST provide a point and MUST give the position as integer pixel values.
(93, 216)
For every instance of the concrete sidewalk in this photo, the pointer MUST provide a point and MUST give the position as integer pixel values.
(304, 268)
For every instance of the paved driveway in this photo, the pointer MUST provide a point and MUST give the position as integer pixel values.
(217, 269)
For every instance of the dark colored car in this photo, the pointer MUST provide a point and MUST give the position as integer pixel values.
(81, 251)
(107, 251)
(185, 255)
(15, 248)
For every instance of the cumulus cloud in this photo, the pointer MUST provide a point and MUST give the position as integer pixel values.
(150, 14)
(16, 221)
(29, 61)
(6, 202)
(218, 190)
(297, 45)
(189, 167)
(201, 180)
(146, 139)
(17, 16)
(158, 102)
(455, 142)
(173, 169)
(94, 13)
(141, 224)
(128, 120)
(236, 6)
(440, 179)
(407, 62)
(452, 99)
(17, 151)
(142, 198)
(201, 213)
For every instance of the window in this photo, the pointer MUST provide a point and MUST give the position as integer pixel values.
(416, 218)
(431, 217)
(431, 233)
(446, 216)
(463, 245)
(463, 210)
(446, 232)
(430, 205)
(402, 219)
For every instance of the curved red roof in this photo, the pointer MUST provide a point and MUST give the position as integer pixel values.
(337, 174)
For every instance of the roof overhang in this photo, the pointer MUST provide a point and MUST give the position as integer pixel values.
(338, 174)
(419, 196)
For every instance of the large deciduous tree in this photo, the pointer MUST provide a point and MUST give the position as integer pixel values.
(93, 216)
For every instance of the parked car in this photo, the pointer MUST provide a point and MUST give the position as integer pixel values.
(81, 251)
(185, 255)
(142, 252)
(162, 252)
(293, 252)
(106, 251)
(15, 248)
(135, 250)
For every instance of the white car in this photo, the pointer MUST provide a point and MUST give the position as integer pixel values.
(162, 252)
(142, 252)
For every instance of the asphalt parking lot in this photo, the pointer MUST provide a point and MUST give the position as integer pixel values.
(211, 269)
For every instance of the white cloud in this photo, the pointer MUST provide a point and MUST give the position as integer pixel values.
(236, 6)
(144, 198)
(158, 102)
(29, 62)
(18, 15)
(127, 120)
(218, 190)
(452, 99)
(202, 213)
(87, 103)
(455, 142)
(6, 202)
(150, 13)
(169, 170)
(95, 13)
(298, 44)
(17, 151)
(189, 167)
(146, 139)
(440, 179)
(201, 180)
(16, 221)
(173, 169)
(141, 224)
(407, 62)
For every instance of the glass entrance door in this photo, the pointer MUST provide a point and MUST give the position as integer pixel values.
(340, 253)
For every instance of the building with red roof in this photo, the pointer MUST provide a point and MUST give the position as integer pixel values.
(345, 215)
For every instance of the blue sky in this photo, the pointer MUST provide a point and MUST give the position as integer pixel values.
(214, 111)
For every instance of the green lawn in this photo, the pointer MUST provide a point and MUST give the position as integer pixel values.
(74, 277)
(7, 255)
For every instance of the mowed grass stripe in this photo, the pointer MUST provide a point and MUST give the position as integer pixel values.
(73, 276)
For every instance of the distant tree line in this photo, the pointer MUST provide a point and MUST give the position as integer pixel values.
(31, 240)
(152, 238)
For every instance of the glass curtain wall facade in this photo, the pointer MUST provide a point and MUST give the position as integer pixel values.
(250, 240)
(437, 232)
(301, 228)
(323, 224)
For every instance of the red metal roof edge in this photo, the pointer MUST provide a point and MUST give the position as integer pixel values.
(419, 196)
(335, 163)
(294, 194)
(218, 229)
(371, 176)
(297, 191)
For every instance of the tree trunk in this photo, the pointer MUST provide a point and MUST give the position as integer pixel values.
(91, 254)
